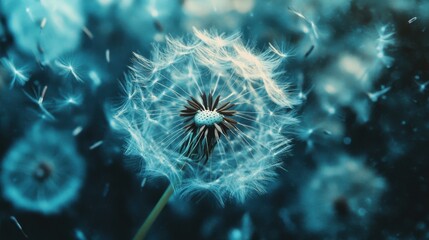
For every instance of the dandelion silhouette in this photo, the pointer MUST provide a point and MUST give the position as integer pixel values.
(208, 114)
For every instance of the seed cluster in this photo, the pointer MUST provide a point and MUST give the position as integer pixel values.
(207, 118)
(206, 123)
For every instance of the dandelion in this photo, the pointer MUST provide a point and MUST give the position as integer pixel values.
(208, 114)
(344, 194)
(41, 173)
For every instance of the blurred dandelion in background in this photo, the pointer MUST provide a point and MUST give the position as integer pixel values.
(341, 197)
(47, 28)
(43, 171)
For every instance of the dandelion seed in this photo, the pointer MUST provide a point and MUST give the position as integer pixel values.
(143, 183)
(384, 40)
(77, 131)
(375, 95)
(87, 32)
(309, 51)
(38, 99)
(412, 20)
(68, 69)
(95, 78)
(95, 145)
(108, 55)
(43, 23)
(18, 225)
(422, 86)
(327, 132)
(276, 51)
(28, 11)
(72, 100)
(68, 100)
(19, 75)
(312, 26)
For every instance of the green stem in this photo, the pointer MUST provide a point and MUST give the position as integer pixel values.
(144, 228)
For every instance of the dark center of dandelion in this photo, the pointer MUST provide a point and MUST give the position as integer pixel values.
(42, 171)
(206, 121)
(341, 207)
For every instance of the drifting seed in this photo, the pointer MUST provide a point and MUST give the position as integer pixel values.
(87, 32)
(77, 131)
(43, 23)
(108, 55)
(96, 145)
(309, 51)
(14, 220)
(412, 20)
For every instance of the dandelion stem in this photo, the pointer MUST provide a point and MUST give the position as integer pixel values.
(144, 228)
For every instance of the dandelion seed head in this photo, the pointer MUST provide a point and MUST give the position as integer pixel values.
(208, 113)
